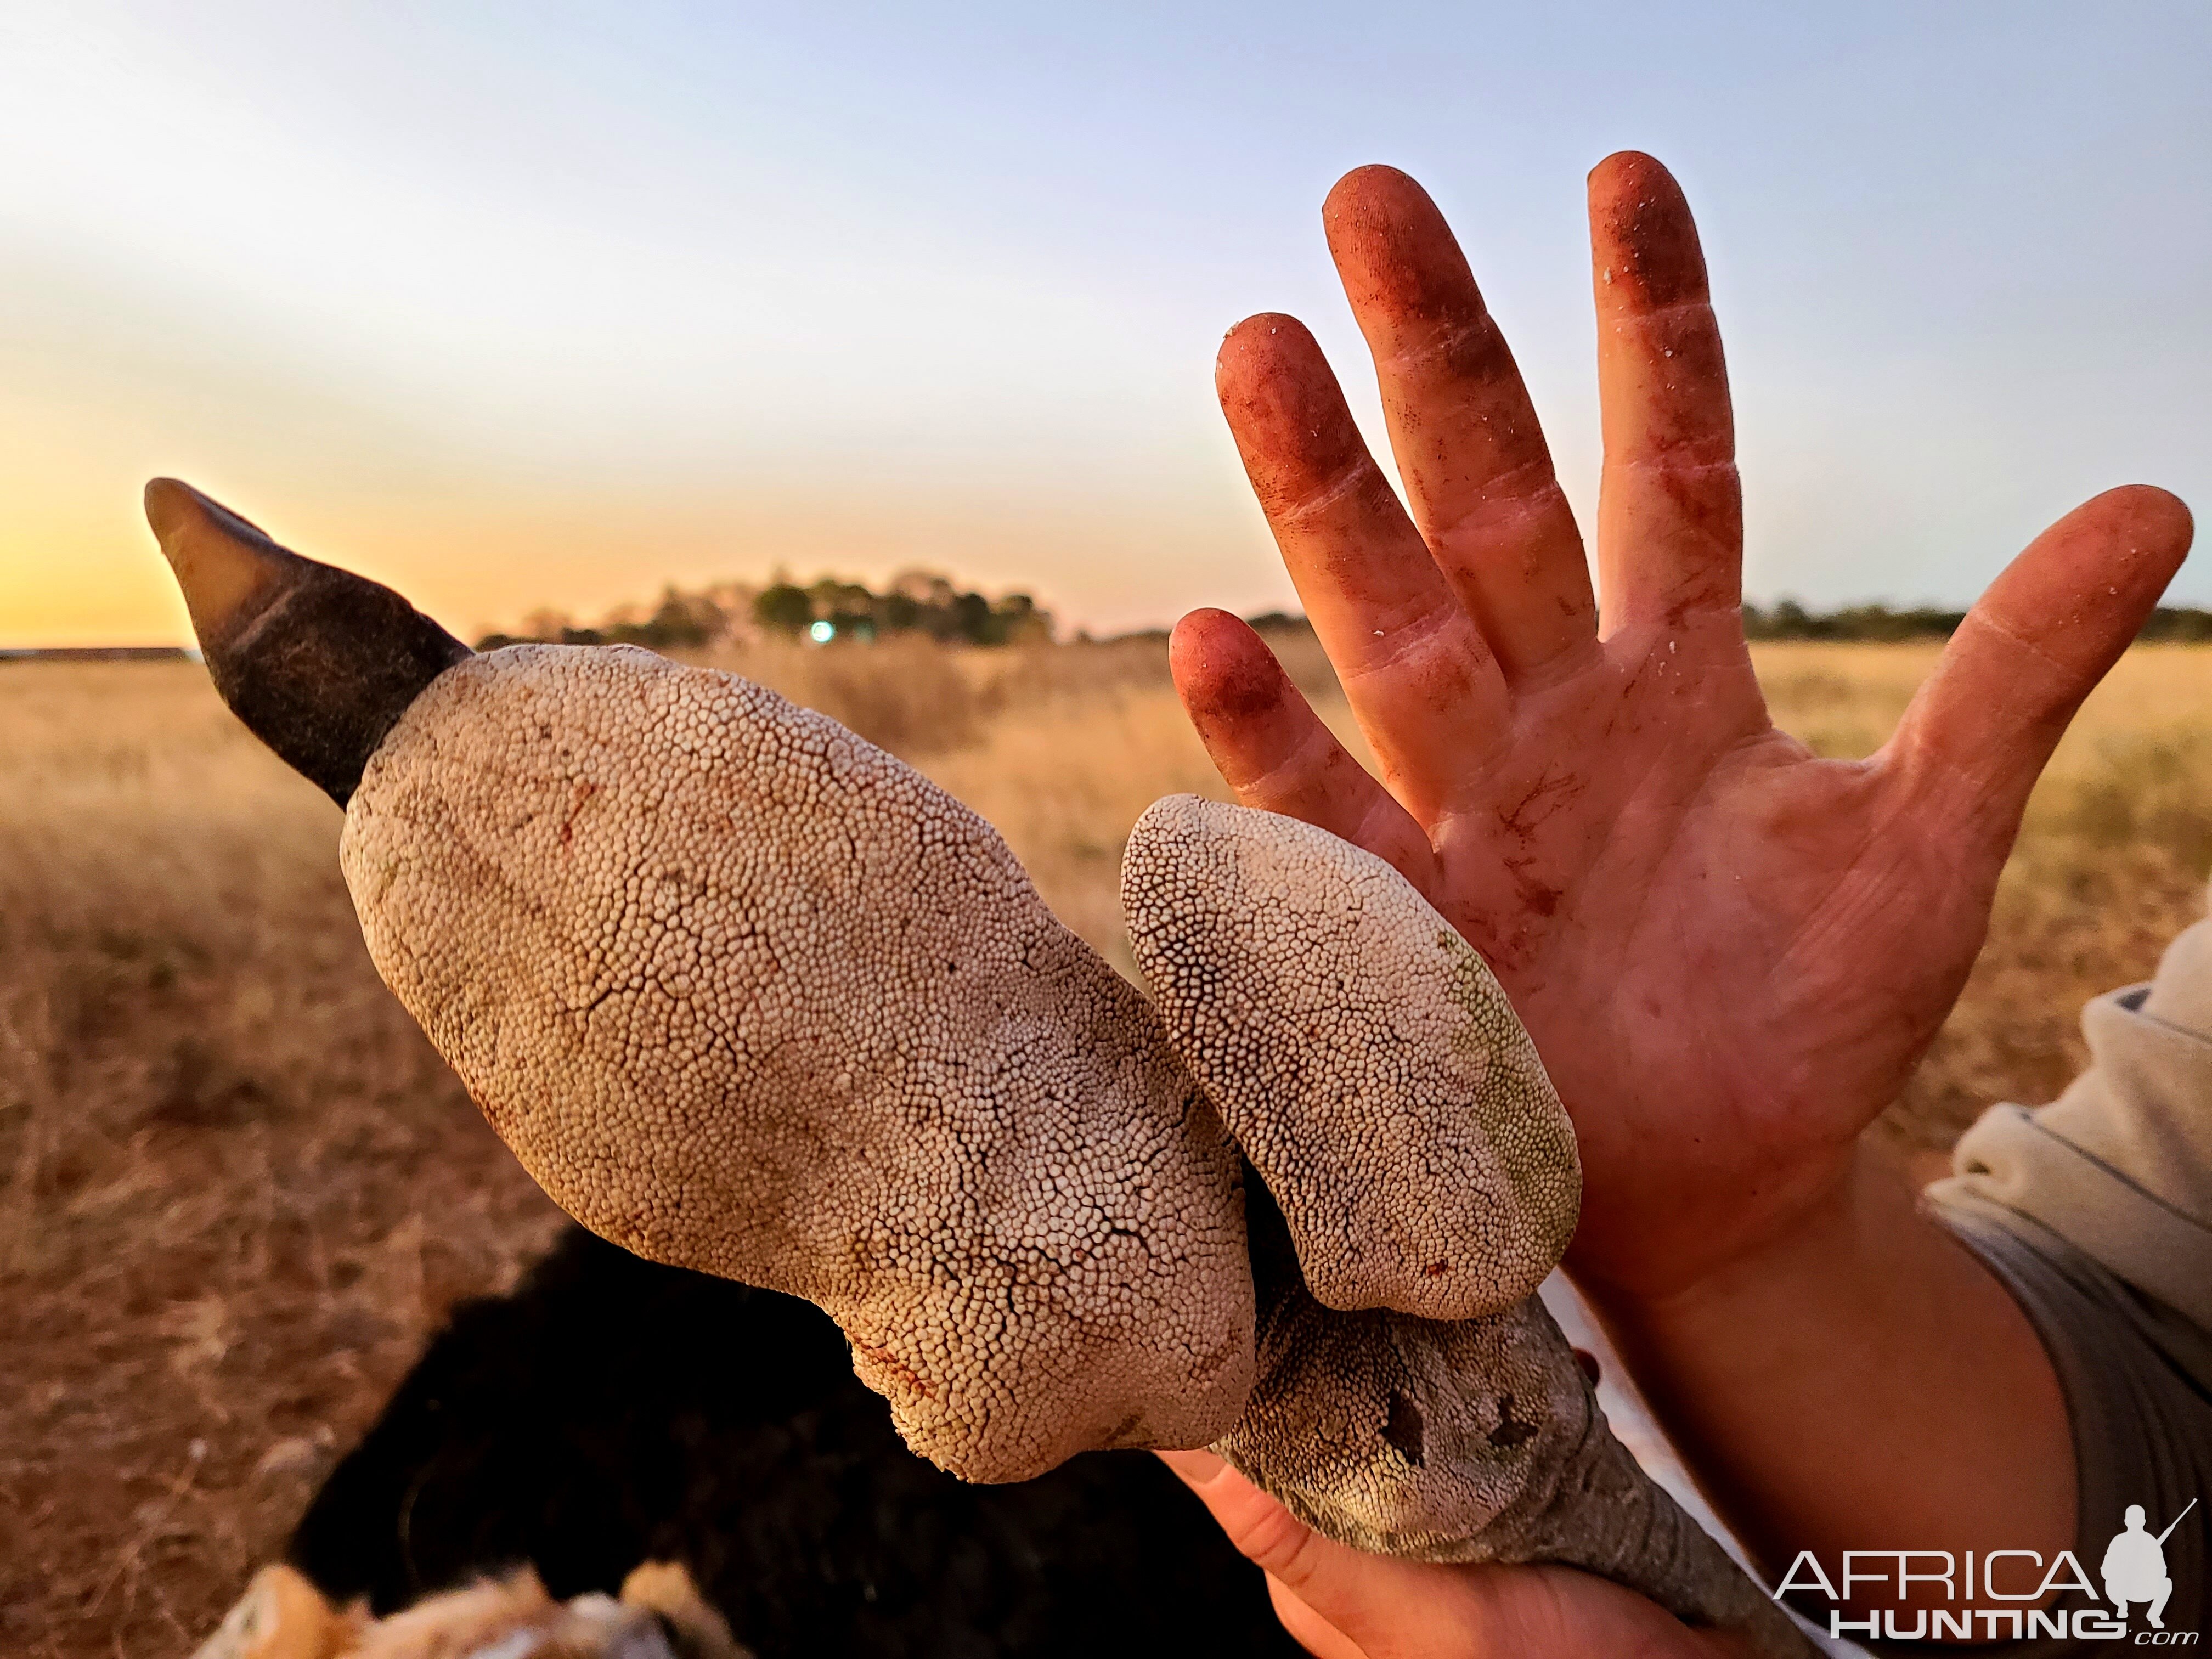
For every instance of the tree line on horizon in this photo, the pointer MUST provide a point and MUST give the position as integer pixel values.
(927, 603)
(827, 610)
(1788, 620)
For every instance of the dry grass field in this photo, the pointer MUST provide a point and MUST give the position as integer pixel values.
(237, 1190)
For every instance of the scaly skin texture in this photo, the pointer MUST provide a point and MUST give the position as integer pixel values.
(1474, 1441)
(1363, 1056)
(1378, 1078)
(745, 993)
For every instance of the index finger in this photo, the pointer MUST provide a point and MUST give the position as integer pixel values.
(1421, 679)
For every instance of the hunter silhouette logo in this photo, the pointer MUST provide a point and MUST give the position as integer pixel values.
(2135, 1566)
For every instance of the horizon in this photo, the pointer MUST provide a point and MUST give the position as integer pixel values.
(516, 310)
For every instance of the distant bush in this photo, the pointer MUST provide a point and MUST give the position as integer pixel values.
(680, 622)
(1790, 619)
(918, 602)
(2178, 625)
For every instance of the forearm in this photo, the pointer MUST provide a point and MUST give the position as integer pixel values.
(1862, 1382)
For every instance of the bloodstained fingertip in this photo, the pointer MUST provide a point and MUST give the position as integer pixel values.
(1262, 344)
(2111, 556)
(1376, 183)
(2147, 531)
(1644, 250)
(1225, 673)
(2158, 523)
(1394, 250)
(2032, 648)
(1285, 411)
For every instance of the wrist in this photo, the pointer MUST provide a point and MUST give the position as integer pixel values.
(1855, 1245)
(1781, 1223)
(1760, 1370)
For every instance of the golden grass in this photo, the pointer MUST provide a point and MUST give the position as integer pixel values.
(221, 1147)
(237, 1190)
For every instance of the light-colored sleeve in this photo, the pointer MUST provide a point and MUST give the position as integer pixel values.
(2120, 1165)
(2095, 1212)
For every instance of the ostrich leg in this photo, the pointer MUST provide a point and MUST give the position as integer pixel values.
(747, 993)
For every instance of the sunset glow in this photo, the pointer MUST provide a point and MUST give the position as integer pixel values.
(517, 310)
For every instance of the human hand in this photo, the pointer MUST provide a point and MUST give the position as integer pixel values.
(1341, 1604)
(1730, 953)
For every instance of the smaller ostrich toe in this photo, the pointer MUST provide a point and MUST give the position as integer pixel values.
(1362, 1054)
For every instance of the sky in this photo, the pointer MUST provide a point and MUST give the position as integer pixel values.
(517, 305)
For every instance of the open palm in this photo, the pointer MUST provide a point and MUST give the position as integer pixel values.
(1730, 953)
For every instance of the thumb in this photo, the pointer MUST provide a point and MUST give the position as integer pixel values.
(1344, 1604)
(1324, 1592)
(1976, 737)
